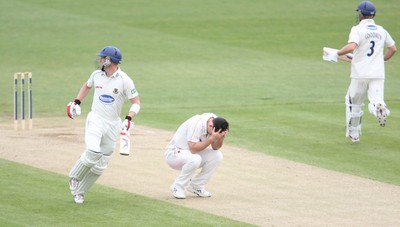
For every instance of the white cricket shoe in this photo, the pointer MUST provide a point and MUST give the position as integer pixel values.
(73, 184)
(381, 114)
(198, 191)
(79, 198)
(354, 135)
(177, 192)
(355, 139)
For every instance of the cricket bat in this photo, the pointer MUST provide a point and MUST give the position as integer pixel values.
(124, 142)
(346, 57)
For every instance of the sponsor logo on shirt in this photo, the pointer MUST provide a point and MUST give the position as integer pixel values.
(99, 86)
(106, 99)
(371, 27)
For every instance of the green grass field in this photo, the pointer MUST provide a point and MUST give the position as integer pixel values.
(257, 63)
(49, 203)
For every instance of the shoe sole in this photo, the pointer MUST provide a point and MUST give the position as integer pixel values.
(176, 197)
(382, 116)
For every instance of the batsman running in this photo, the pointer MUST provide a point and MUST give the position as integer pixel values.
(194, 146)
(111, 87)
(367, 41)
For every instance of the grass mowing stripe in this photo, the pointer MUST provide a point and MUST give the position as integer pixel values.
(34, 197)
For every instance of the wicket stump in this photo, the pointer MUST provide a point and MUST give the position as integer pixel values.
(20, 76)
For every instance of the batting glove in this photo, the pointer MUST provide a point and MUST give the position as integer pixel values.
(74, 108)
(332, 57)
(127, 125)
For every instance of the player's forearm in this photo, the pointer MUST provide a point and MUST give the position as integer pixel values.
(199, 146)
(349, 48)
(390, 52)
(83, 92)
(217, 144)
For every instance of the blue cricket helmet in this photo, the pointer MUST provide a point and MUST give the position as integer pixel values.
(112, 52)
(366, 8)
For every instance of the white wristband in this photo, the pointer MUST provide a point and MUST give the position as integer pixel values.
(135, 108)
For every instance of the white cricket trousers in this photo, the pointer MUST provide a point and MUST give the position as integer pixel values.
(208, 160)
(359, 88)
(101, 135)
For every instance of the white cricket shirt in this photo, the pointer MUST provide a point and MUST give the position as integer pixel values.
(194, 129)
(368, 57)
(110, 93)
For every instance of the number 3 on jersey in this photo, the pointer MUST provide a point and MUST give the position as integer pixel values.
(371, 48)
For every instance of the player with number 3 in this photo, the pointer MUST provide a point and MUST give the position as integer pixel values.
(367, 41)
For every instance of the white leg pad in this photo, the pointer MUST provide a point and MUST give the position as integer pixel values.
(353, 117)
(354, 123)
(91, 176)
(87, 160)
(87, 182)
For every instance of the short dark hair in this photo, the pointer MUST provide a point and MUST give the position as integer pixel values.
(220, 124)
